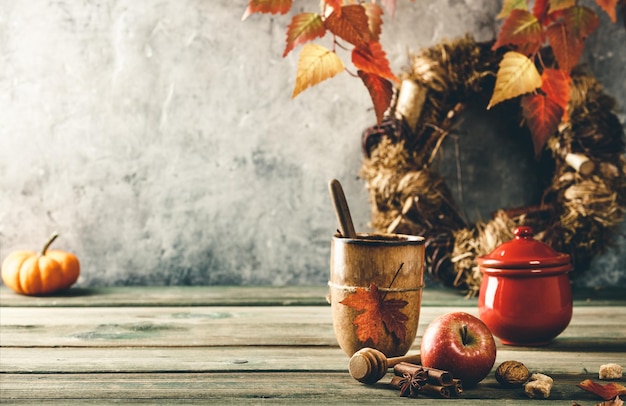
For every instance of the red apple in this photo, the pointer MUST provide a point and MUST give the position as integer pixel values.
(460, 344)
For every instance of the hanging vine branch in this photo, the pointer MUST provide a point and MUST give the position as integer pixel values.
(562, 25)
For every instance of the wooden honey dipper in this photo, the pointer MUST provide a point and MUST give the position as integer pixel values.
(368, 365)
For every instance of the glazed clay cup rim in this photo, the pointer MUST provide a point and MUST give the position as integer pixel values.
(381, 239)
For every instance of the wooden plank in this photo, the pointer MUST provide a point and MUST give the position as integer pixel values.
(255, 359)
(255, 388)
(603, 327)
(253, 296)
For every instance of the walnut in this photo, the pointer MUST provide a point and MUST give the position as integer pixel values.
(512, 373)
(539, 385)
(610, 371)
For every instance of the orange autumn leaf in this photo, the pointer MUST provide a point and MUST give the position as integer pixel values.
(304, 27)
(542, 116)
(609, 6)
(381, 92)
(521, 29)
(352, 25)
(377, 314)
(517, 75)
(267, 7)
(335, 5)
(374, 17)
(315, 64)
(617, 401)
(372, 59)
(556, 85)
(607, 391)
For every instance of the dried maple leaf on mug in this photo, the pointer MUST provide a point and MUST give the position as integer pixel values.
(378, 314)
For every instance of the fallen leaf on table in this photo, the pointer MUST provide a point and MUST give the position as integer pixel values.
(614, 402)
(607, 391)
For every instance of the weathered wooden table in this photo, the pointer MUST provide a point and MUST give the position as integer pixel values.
(229, 345)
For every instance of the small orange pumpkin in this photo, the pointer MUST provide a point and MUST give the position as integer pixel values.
(29, 273)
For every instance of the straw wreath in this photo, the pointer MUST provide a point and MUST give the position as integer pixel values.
(579, 210)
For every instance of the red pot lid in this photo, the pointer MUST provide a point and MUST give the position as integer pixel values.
(524, 252)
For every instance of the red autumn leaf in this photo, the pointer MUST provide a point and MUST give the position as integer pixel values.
(374, 17)
(521, 29)
(335, 5)
(567, 48)
(540, 10)
(377, 315)
(556, 85)
(607, 392)
(372, 59)
(381, 92)
(543, 116)
(580, 21)
(304, 27)
(609, 6)
(267, 7)
(351, 24)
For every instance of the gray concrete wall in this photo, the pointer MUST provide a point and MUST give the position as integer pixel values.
(159, 138)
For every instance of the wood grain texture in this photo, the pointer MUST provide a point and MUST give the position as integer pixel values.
(163, 351)
(282, 388)
(254, 296)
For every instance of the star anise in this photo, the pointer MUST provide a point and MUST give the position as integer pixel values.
(411, 384)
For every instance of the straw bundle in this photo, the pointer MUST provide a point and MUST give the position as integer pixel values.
(579, 210)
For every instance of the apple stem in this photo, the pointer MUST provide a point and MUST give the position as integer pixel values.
(464, 334)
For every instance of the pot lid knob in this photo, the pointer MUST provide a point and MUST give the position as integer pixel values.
(523, 232)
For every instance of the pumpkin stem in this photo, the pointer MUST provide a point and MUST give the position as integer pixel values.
(50, 241)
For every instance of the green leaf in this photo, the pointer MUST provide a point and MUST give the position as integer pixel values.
(510, 5)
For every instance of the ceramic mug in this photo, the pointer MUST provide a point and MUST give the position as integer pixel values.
(373, 278)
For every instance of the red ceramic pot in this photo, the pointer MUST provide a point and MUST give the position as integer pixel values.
(525, 294)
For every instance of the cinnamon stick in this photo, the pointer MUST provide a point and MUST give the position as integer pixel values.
(457, 386)
(433, 376)
(436, 390)
(427, 389)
